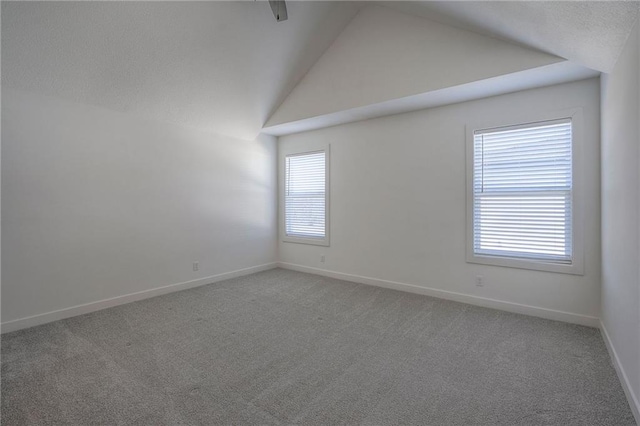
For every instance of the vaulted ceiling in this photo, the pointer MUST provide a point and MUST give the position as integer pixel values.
(386, 62)
(227, 66)
(222, 66)
(590, 33)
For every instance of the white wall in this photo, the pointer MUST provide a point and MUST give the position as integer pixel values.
(398, 202)
(620, 215)
(99, 204)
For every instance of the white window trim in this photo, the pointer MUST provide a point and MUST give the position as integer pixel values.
(283, 233)
(577, 265)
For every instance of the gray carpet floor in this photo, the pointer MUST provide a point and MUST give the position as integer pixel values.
(282, 347)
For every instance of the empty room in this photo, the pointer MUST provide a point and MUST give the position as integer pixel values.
(320, 213)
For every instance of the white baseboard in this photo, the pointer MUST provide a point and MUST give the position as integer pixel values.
(626, 385)
(450, 295)
(86, 308)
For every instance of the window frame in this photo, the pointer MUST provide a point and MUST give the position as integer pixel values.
(576, 267)
(283, 228)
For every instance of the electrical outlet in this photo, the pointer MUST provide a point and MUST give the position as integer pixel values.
(322, 258)
(196, 266)
(479, 281)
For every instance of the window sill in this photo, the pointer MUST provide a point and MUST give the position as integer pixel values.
(310, 241)
(536, 265)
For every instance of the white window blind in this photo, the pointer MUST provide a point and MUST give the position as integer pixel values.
(522, 192)
(305, 195)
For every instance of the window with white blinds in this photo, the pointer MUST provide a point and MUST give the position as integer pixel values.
(305, 196)
(522, 192)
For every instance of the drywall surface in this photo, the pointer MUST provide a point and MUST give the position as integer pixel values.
(398, 197)
(223, 66)
(591, 33)
(384, 54)
(620, 216)
(97, 204)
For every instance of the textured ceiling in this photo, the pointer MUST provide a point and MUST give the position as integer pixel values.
(590, 33)
(226, 66)
(222, 66)
(364, 65)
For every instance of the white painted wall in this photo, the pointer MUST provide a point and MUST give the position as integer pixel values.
(620, 213)
(98, 204)
(398, 202)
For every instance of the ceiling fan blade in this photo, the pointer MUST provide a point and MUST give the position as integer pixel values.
(279, 9)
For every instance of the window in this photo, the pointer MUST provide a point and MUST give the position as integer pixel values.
(522, 211)
(305, 197)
